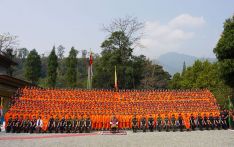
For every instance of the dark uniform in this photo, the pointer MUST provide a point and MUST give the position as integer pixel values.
(200, 122)
(75, 125)
(211, 122)
(33, 124)
(134, 123)
(217, 121)
(9, 125)
(151, 123)
(51, 124)
(15, 124)
(192, 122)
(20, 124)
(143, 124)
(180, 120)
(166, 123)
(62, 125)
(69, 125)
(56, 124)
(224, 122)
(88, 125)
(173, 123)
(81, 125)
(206, 122)
(26, 125)
(159, 123)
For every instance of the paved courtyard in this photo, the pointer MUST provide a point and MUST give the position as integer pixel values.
(216, 138)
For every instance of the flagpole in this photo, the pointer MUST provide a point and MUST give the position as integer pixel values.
(116, 81)
(229, 108)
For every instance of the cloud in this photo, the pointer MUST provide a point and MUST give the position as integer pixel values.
(162, 38)
(186, 20)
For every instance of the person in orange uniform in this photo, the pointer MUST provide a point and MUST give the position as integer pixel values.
(186, 122)
(45, 124)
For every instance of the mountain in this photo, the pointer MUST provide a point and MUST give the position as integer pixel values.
(172, 62)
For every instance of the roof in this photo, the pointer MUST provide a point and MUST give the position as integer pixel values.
(8, 85)
(13, 82)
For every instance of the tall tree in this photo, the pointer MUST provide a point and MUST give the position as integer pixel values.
(224, 51)
(117, 51)
(130, 26)
(60, 50)
(71, 63)
(33, 67)
(184, 68)
(52, 68)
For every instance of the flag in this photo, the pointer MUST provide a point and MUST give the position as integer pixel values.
(91, 65)
(116, 83)
(90, 59)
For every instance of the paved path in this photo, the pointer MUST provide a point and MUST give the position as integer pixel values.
(219, 138)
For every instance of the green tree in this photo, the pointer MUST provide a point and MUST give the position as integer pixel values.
(117, 51)
(33, 67)
(52, 68)
(224, 51)
(202, 75)
(154, 76)
(71, 63)
(175, 81)
(132, 71)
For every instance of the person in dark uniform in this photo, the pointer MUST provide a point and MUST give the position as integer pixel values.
(33, 124)
(226, 115)
(19, 124)
(217, 121)
(15, 124)
(224, 122)
(56, 124)
(88, 124)
(81, 124)
(143, 123)
(181, 123)
(75, 124)
(206, 122)
(151, 123)
(9, 126)
(62, 125)
(26, 125)
(69, 124)
(159, 123)
(192, 122)
(166, 123)
(134, 123)
(200, 122)
(51, 124)
(173, 122)
(211, 121)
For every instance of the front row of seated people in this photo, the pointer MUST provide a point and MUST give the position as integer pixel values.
(18, 125)
(75, 125)
(181, 123)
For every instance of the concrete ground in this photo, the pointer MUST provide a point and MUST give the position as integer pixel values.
(214, 138)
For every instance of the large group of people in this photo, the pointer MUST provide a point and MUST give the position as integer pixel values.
(75, 110)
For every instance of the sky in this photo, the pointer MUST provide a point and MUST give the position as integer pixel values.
(190, 27)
